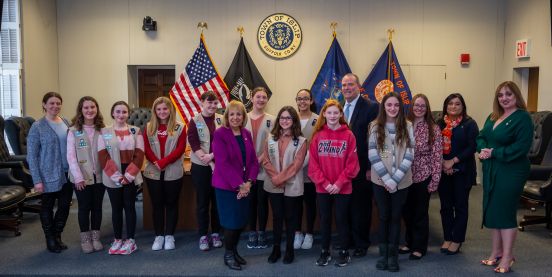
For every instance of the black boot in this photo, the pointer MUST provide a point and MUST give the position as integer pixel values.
(59, 224)
(62, 245)
(239, 259)
(382, 263)
(393, 258)
(289, 256)
(275, 255)
(230, 261)
(46, 221)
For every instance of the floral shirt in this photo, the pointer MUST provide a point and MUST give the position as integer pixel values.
(427, 158)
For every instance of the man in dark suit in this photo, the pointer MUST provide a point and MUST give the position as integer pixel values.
(359, 112)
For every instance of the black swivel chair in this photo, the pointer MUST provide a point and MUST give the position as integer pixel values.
(12, 196)
(17, 129)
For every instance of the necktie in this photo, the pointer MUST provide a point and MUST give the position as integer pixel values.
(347, 106)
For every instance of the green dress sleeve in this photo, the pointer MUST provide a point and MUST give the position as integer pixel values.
(522, 143)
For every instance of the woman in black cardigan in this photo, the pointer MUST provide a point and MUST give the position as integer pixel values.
(459, 172)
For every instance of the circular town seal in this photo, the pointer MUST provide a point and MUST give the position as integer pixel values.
(279, 36)
(382, 88)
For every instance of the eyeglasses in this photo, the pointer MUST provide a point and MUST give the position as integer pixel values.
(420, 106)
(299, 99)
(284, 118)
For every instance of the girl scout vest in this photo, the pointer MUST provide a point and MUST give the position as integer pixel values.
(294, 186)
(173, 171)
(204, 136)
(262, 134)
(112, 147)
(307, 133)
(87, 157)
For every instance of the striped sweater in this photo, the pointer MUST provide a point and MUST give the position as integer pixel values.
(391, 167)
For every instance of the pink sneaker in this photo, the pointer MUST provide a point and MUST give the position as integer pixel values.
(128, 247)
(115, 246)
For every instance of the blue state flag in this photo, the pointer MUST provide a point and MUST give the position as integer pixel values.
(328, 81)
(387, 76)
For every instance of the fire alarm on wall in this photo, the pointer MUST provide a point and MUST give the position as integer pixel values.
(464, 59)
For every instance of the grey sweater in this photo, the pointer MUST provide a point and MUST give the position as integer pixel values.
(45, 157)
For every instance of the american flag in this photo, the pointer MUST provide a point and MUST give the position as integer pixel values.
(199, 76)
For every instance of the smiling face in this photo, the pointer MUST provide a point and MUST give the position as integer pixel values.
(259, 100)
(162, 112)
(419, 108)
(209, 107)
(286, 121)
(506, 99)
(454, 107)
(120, 114)
(332, 115)
(304, 101)
(392, 107)
(350, 88)
(52, 107)
(89, 111)
(235, 118)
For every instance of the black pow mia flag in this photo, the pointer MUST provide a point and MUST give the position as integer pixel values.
(243, 76)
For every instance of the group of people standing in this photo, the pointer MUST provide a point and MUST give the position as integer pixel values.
(242, 162)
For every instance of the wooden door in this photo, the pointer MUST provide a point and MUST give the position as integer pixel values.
(153, 83)
(533, 90)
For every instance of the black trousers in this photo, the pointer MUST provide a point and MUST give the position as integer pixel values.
(206, 209)
(231, 238)
(54, 223)
(123, 198)
(454, 194)
(342, 205)
(416, 218)
(361, 212)
(90, 201)
(164, 201)
(284, 208)
(390, 206)
(309, 198)
(259, 206)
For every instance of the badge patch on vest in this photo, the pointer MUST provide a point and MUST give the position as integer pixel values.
(314, 122)
(79, 133)
(82, 161)
(133, 131)
(177, 127)
(82, 143)
(108, 136)
(272, 148)
(200, 132)
(268, 123)
(219, 122)
(295, 142)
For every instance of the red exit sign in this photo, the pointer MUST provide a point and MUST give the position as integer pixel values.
(522, 48)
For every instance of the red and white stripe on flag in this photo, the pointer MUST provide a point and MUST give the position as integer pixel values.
(199, 76)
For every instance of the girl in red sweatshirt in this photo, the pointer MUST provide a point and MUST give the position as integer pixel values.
(333, 163)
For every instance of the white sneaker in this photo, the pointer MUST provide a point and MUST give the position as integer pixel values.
(158, 243)
(203, 243)
(216, 241)
(298, 240)
(128, 247)
(169, 242)
(307, 242)
(115, 246)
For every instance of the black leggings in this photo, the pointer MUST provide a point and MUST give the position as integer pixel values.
(259, 206)
(231, 238)
(390, 206)
(90, 201)
(416, 218)
(123, 198)
(55, 223)
(164, 199)
(342, 205)
(309, 197)
(284, 208)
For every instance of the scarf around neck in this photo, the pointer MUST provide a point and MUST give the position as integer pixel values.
(447, 132)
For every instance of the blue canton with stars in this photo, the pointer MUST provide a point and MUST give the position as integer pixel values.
(199, 68)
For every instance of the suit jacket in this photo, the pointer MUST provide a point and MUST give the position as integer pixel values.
(230, 171)
(365, 112)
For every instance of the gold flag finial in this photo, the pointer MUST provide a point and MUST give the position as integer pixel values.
(240, 30)
(202, 25)
(390, 33)
(333, 25)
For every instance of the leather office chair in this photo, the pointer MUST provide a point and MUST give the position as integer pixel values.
(538, 189)
(12, 195)
(17, 129)
(139, 117)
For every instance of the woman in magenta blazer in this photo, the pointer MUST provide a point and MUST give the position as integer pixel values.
(236, 168)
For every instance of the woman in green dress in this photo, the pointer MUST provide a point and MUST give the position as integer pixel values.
(503, 144)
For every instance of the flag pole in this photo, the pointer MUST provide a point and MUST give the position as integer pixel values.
(240, 30)
(333, 25)
(202, 25)
(389, 53)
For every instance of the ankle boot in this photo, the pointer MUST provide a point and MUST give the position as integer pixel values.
(289, 256)
(393, 258)
(230, 261)
(62, 245)
(382, 263)
(46, 221)
(239, 259)
(86, 243)
(96, 242)
(275, 255)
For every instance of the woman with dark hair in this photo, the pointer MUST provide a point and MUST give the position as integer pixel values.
(164, 144)
(85, 171)
(307, 118)
(426, 173)
(121, 155)
(236, 167)
(333, 163)
(459, 132)
(282, 159)
(200, 136)
(503, 144)
(47, 158)
(391, 152)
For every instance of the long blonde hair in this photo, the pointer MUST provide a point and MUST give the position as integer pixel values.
(322, 120)
(153, 124)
